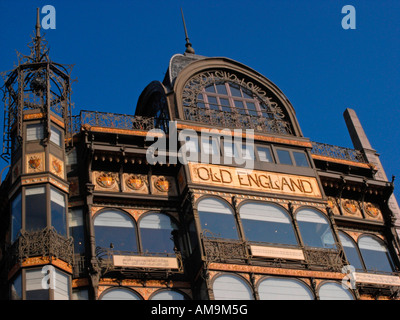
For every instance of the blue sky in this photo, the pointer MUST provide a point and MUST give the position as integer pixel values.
(118, 47)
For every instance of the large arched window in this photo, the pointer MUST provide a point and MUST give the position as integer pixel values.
(231, 287)
(351, 251)
(375, 254)
(264, 222)
(217, 217)
(115, 229)
(120, 294)
(168, 295)
(284, 289)
(315, 229)
(334, 291)
(156, 233)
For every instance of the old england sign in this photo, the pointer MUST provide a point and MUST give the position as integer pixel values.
(254, 180)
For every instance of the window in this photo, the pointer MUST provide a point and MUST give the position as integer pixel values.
(34, 288)
(157, 233)
(238, 151)
(284, 289)
(55, 136)
(168, 295)
(216, 216)
(351, 251)
(267, 223)
(62, 286)
(315, 229)
(80, 294)
(16, 217)
(35, 208)
(34, 132)
(284, 157)
(76, 230)
(120, 294)
(334, 291)
(231, 287)
(58, 211)
(16, 288)
(264, 154)
(300, 159)
(375, 254)
(114, 229)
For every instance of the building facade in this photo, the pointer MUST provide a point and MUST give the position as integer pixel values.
(209, 192)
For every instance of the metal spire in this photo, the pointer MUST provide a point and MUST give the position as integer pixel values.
(38, 37)
(188, 45)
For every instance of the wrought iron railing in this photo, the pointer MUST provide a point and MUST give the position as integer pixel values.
(222, 250)
(237, 120)
(331, 151)
(43, 243)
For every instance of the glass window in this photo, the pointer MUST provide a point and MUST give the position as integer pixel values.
(168, 295)
(58, 211)
(264, 154)
(351, 251)
(210, 146)
(34, 132)
(62, 286)
(72, 158)
(55, 136)
(284, 157)
(230, 287)
(375, 254)
(35, 208)
(334, 291)
(120, 294)
(16, 288)
(80, 294)
(115, 229)
(34, 288)
(156, 232)
(77, 230)
(217, 217)
(267, 223)
(283, 289)
(16, 216)
(315, 229)
(301, 159)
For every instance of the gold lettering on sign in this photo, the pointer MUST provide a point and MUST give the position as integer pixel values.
(145, 262)
(254, 180)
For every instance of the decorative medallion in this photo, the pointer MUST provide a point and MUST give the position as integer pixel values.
(106, 180)
(135, 182)
(350, 206)
(34, 162)
(372, 210)
(162, 184)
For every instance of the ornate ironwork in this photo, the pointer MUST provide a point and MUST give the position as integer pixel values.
(327, 259)
(42, 243)
(337, 152)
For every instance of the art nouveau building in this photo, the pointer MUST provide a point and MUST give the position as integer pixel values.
(179, 201)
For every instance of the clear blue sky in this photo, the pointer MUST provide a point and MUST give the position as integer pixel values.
(118, 47)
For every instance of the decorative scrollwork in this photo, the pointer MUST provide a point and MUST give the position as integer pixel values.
(337, 152)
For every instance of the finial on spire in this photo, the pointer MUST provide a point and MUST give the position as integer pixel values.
(188, 45)
(38, 37)
(37, 23)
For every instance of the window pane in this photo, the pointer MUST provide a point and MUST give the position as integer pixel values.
(229, 287)
(315, 229)
(251, 107)
(120, 294)
(55, 136)
(217, 217)
(116, 228)
(248, 152)
(334, 291)
(283, 289)
(58, 215)
(351, 251)
(221, 89)
(35, 209)
(240, 106)
(284, 157)
(80, 294)
(264, 154)
(301, 159)
(16, 214)
(76, 229)
(16, 288)
(168, 295)
(34, 287)
(225, 104)
(61, 290)
(235, 91)
(210, 146)
(156, 231)
(229, 149)
(375, 254)
(34, 132)
(267, 223)
(210, 88)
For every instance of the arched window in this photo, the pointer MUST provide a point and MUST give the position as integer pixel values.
(156, 233)
(168, 295)
(115, 229)
(120, 294)
(334, 291)
(351, 251)
(284, 289)
(231, 287)
(375, 254)
(217, 217)
(267, 223)
(315, 229)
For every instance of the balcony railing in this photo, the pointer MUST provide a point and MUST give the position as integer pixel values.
(327, 150)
